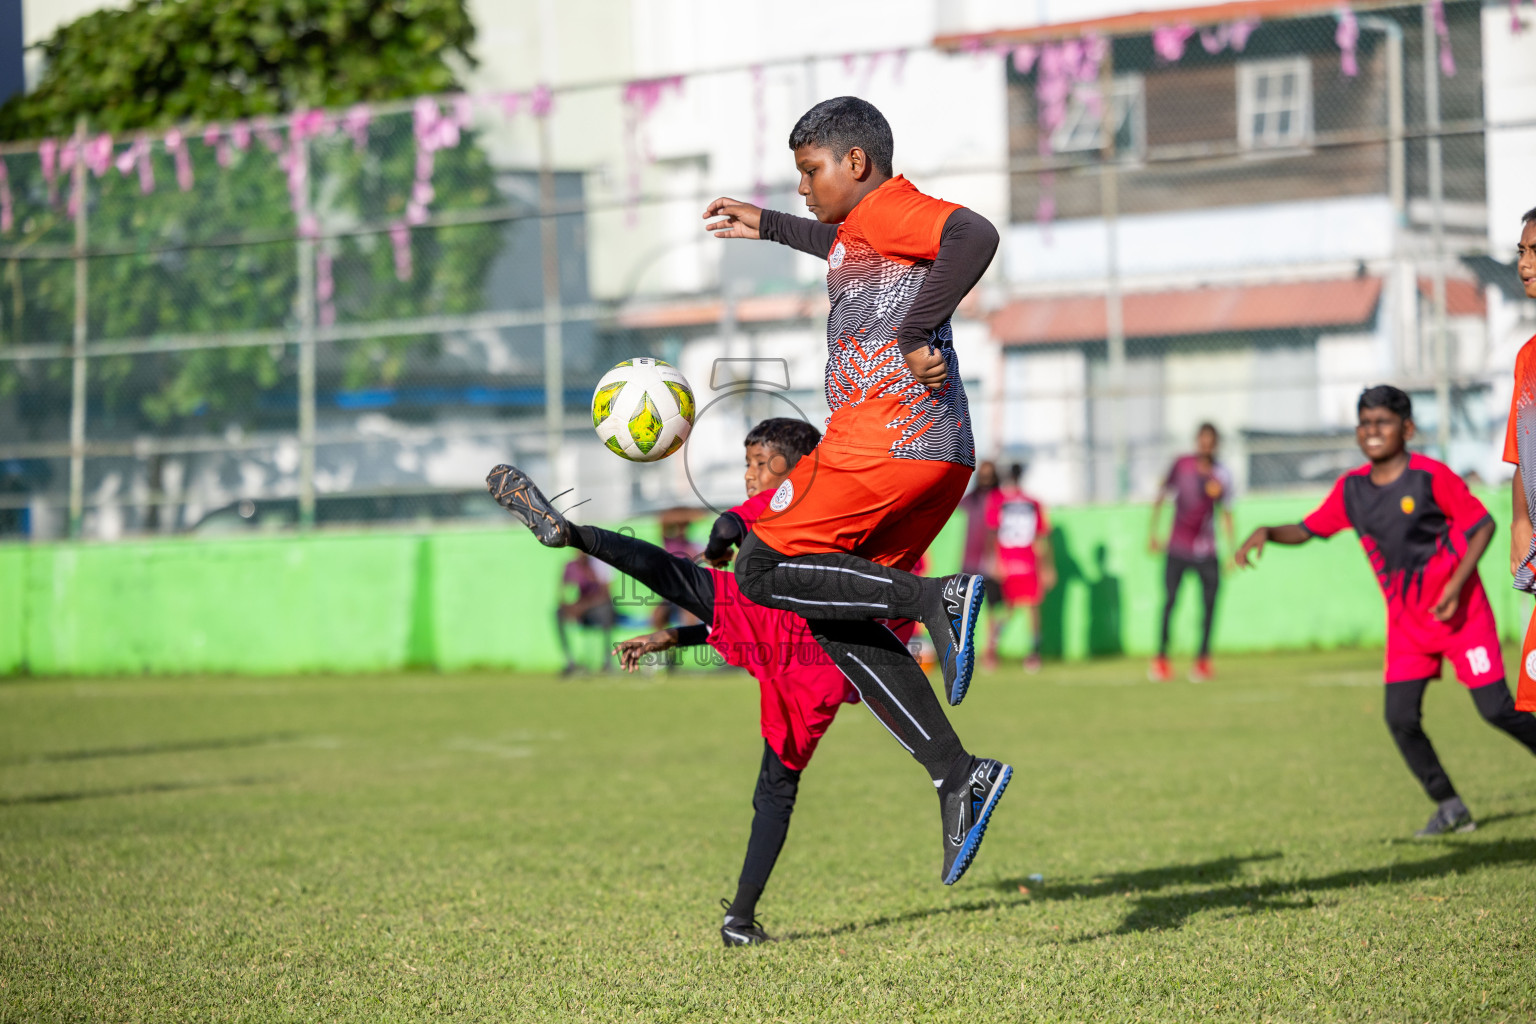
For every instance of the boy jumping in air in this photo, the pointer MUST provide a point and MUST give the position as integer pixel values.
(1423, 532)
(801, 690)
(1520, 448)
(853, 517)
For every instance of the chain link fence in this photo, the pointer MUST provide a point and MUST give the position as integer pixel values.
(346, 317)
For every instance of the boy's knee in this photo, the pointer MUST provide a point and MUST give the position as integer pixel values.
(1404, 719)
(1494, 704)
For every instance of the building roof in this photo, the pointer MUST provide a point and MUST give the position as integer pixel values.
(1219, 310)
(1143, 22)
(1462, 297)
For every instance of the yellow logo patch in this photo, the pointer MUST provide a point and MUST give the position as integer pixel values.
(1407, 505)
(1213, 489)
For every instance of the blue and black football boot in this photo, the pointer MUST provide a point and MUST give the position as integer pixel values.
(952, 625)
(516, 493)
(967, 805)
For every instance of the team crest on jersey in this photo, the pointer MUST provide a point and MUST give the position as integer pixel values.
(1407, 505)
(838, 255)
(1530, 665)
(782, 497)
(1213, 489)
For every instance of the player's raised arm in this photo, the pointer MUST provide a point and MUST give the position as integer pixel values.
(1290, 533)
(629, 652)
(737, 219)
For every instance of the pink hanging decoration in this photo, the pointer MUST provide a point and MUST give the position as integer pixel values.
(463, 110)
(325, 286)
(1024, 58)
(400, 239)
(1443, 34)
(1214, 40)
(68, 152)
(1347, 34)
(1168, 40)
(98, 154)
(269, 138)
(759, 136)
(510, 102)
(240, 135)
(541, 101)
(848, 62)
(177, 147)
(900, 68)
(1239, 31)
(48, 158)
(640, 100)
(215, 139)
(141, 161)
(7, 215)
(1516, 26)
(355, 123)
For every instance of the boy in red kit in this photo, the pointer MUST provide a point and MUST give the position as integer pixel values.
(1423, 532)
(1019, 542)
(1520, 448)
(852, 519)
(800, 689)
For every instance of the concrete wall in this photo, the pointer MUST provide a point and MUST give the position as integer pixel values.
(458, 600)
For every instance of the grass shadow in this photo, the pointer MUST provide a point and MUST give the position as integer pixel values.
(153, 748)
(148, 787)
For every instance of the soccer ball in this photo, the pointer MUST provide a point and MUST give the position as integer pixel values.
(643, 409)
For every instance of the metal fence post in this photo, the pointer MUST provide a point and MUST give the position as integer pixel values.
(1437, 235)
(77, 393)
(1114, 313)
(554, 369)
(305, 303)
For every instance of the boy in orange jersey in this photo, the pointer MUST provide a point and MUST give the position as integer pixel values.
(844, 529)
(1520, 448)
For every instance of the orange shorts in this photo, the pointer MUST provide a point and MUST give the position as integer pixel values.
(1525, 687)
(883, 509)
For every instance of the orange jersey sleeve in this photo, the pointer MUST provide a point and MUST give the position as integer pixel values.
(903, 223)
(1525, 394)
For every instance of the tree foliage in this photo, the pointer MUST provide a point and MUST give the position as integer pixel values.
(158, 63)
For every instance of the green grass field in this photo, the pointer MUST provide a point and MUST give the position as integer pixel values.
(493, 847)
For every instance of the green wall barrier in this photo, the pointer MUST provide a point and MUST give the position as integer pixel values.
(485, 598)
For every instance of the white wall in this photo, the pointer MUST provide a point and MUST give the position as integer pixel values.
(1509, 94)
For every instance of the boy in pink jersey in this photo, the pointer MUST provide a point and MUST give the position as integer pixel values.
(801, 689)
(1423, 532)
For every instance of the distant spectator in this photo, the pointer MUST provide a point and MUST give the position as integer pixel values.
(592, 606)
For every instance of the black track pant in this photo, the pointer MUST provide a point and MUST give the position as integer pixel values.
(840, 595)
(685, 584)
(772, 804)
(1209, 572)
(1404, 720)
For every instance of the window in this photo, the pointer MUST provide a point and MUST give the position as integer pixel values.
(1082, 127)
(1274, 103)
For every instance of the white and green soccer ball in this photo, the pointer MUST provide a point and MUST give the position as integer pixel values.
(643, 409)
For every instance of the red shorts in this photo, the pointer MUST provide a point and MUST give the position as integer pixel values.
(1021, 588)
(883, 509)
(1473, 651)
(1525, 689)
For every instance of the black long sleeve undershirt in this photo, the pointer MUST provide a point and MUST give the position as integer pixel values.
(727, 531)
(966, 247)
(692, 636)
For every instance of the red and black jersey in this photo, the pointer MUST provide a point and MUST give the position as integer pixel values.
(1414, 531)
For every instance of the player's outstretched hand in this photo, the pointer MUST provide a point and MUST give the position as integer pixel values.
(928, 366)
(1254, 545)
(629, 652)
(740, 220)
(1447, 605)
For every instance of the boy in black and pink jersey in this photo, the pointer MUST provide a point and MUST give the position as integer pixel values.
(1423, 532)
(853, 518)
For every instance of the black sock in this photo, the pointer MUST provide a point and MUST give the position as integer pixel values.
(1404, 721)
(772, 803)
(1498, 710)
(894, 688)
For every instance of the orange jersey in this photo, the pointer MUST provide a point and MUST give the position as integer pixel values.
(874, 272)
(1520, 445)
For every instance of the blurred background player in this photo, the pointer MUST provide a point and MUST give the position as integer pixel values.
(1520, 448)
(1200, 485)
(591, 605)
(1019, 557)
(1423, 532)
(974, 556)
(674, 523)
(800, 688)
(850, 521)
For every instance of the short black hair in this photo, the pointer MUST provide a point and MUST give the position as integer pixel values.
(1528, 216)
(1385, 396)
(1016, 472)
(1208, 427)
(786, 436)
(840, 124)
